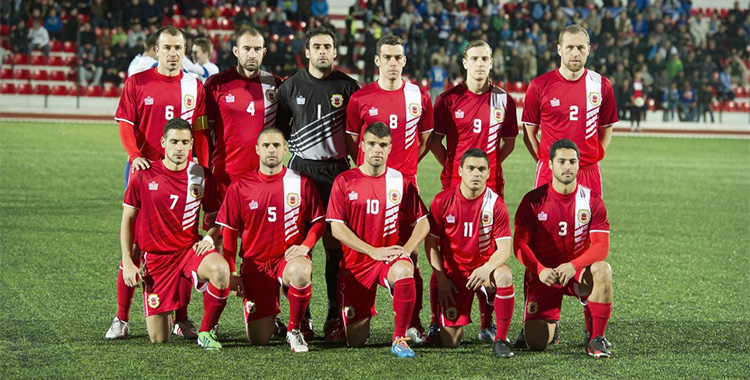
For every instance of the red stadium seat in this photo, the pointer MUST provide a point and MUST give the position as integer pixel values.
(59, 90)
(227, 24)
(7, 88)
(179, 21)
(111, 92)
(740, 92)
(21, 59)
(194, 22)
(94, 91)
(73, 90)
(70, 61)
(123, 75)
(22, 74)
(55, 46)
(24, 89)
(55, 60)
(517, 87)
(41, 89)
(6, 74)
(57, 75)
(38, 60)
(4, 30)
(745, 107)
(211, 24)
(39, 75)
(69, 47)
(5, 43)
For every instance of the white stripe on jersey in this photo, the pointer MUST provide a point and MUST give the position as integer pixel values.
(593, 86)
(499, 100)
(583, 207)
(268, 84)
(412, 95)
(292, 202)
(189, 87)
(196, 177)
(394, 187)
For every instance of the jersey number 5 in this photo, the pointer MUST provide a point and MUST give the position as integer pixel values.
(272, 214)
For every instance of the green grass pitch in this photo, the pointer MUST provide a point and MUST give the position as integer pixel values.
(680, 216)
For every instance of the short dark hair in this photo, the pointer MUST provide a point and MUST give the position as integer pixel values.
(563, 144)
(474, 152)
(573, 29)
(378, 129)
(172, 31)
(249, 31)
(320, 30)
(270, 130)
(178, 124)
(150, 42)
(388, 39)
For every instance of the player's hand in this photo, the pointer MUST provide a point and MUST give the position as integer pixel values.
(296, 251)
(477, 277)
(235, 285)
(203, 247)
(388, 253)
(130, 274)
(565, 273)
(446, 288)
(548, 276)
(140, 163)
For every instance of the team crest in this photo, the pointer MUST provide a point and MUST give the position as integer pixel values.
(532, 308)
(337, 100)
(595, 98)
(394, 196)
(249, 307)
(584, 216)
(451, 313)
(153, 300)
(349, 312)
(415, 109)
(188, 101)
(486, 218)
(196, 190)
(271, 95)
(292, 199)
(498, 114)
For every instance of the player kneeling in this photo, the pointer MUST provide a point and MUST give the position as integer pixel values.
(272, 207)
(167, 199)
(468, 246)
(562, 238)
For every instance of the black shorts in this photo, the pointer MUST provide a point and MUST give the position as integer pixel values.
(322, 173)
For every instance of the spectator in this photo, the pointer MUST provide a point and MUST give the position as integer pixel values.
(88, 72)
(674, 66)
(689, 102)
(674, 103)
(724, 89)
(136, 33)
(110, 69)
(277, 22)
(19, 38)
(637, 99)
(99, 14)
(38, 38)
(529, 67)
(53, 23)
(133, 14)
(319, 8)
(640, 26)
(119, 34)
(290, 7)
(152, 13)
(88, 42)
(705, 98)
(498, 65)
(699, 29)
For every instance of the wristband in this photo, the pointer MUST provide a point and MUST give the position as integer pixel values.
(208, 239)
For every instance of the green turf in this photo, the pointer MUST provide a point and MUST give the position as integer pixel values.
(680, 216)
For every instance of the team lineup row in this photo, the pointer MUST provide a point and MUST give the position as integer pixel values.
(237, 127)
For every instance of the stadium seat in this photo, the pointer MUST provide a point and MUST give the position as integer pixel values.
(38, 60)
(57, 75)
(5, 43)
(55, 60)
(745, 107)
(4, 30)
(7, 88)
(73, 90)
(179, 21)
(55, 46)
(176, 10)
(6, 74)
(59, 90)
(211, 24)
(70, 61)
(69, 47)
(194, 22)
(24, 89)
(41, 89)
(93, 91)
(123, 75)
(227, 24)
(740, 92)
(39, 75)
(111, 92)
(518, 87)
(21, 59)
(22, 74)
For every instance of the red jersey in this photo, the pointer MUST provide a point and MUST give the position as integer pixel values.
(560, 224)
(467, 121)
(407, 111)
(239, 109)
(373, 208)
(168, 204)
(272, 212)
(570, 110)
(467, 228)
(150, 99)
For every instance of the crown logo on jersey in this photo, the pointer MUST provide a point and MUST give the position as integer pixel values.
(394, 196)
(189, 101)
(349, 312)
(595, 98)
(249, 307)
(300, 100)
(450, 219)
(337, 100)
(153, 186)
(149, 101)
(153, 300)
(253, 205)
(584, 216)
(271, 95)
(486, 218)
(415, 109)
(498, 114)
(353, 196)
(373, 111)
(229, 98)
(542, 216)
(459, 114)
(292, 199)
(555, 102)
(196, 190)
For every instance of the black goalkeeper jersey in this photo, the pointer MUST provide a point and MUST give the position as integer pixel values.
(312, 114)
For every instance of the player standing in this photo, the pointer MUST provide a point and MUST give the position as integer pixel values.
(562, 238)
(468, 246)
(312, 106)
(148, 99)
(161, 211)
(369, 205)
(407, 110)
(272, 207)
(202, 68)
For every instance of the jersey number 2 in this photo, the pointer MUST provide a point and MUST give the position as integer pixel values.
(574, 113)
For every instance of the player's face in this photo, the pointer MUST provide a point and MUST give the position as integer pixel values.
(478, 63)
(474, 172)
(199, 55)
(170, 50)
(249, 52)
(564, 166)
(574, 51)
(321, 52)
(391, 61)
(376, 149)
(271, 149)
(177, 145)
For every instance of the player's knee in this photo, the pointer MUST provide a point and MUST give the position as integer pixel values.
(401, 269)
(503, 276)
(219, 271)
(300, 273)
(601, 271)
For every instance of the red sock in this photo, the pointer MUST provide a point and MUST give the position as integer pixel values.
(433, 300)
(486, 309)
(124, 297)
(299, 298)
(185, 291)
(416, 321)
(504, 311)
(404, 295)
(587, 316)
(600, 313)
(214, 301)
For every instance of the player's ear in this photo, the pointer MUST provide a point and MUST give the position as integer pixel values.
(163, 142)
(464, 61)
(559, 50)
(264, 52)
(236, 51)
(307, 53)
(377, 60)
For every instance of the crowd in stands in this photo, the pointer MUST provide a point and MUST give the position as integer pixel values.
(682, 57)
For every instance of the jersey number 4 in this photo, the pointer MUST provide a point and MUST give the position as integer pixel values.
(251, 108)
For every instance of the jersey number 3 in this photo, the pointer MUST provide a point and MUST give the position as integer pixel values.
(563, 229)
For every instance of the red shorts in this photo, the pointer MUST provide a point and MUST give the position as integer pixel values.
(357, 291)
(589, 176)
(162, 275)
(261, 284)
(543, 302)
(459, 314)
